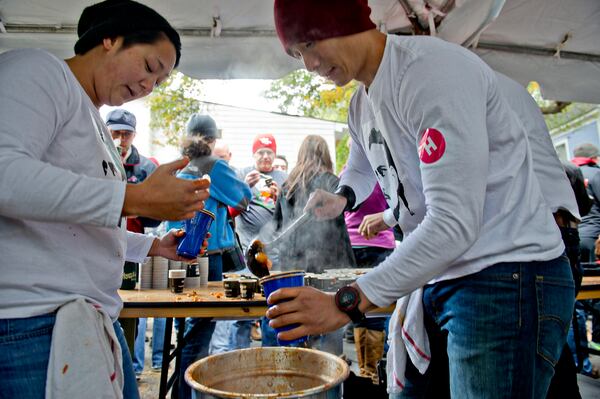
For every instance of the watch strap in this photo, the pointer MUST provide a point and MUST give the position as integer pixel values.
(356, 315)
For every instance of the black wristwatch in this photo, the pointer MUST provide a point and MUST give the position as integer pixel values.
(347, 300)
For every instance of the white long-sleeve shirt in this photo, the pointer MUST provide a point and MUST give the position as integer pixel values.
(555, 186)
(454, 163)
(61, 192)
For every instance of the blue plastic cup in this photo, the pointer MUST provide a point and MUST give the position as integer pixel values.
(195, 231)
(284, 280)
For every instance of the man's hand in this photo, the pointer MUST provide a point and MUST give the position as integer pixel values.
(597, 248)
(314, 310)
(252, 178)
(166, 246)
(275, 190)
(163, 196)
(325, 205)
(371, 225)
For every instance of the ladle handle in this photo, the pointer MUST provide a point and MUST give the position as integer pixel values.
(305, 217)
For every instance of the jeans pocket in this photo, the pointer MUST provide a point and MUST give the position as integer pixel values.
(556, 300)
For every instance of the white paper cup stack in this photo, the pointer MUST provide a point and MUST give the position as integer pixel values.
(146, 274)
(160, 273)
(192, 279)
(203, 269)
(176, 265)
(191, 282)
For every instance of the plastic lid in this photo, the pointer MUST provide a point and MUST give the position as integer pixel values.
(177, 273)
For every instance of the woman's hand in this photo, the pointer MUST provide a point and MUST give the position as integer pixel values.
(166, 246)
(163, 196)
(372, 225)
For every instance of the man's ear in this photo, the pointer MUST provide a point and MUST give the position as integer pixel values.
(109, 43)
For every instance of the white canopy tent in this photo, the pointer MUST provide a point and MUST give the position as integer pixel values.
(554, 42)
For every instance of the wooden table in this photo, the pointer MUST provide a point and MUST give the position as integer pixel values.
(196, 302)
(210, 302)
(207, 302)
(590, 288)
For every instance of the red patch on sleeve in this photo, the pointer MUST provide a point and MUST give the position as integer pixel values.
(432, 146)
(65, 368)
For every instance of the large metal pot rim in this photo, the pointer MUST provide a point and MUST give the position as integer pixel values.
(296, 394)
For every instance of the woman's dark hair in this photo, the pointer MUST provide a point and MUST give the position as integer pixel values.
(197, 146)
(135, 22)
(150, 37)
(313, 159)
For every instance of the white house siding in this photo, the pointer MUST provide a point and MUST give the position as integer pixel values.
(239, 126)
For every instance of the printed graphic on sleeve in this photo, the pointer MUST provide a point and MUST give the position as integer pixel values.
(386, 173)
(432, 146)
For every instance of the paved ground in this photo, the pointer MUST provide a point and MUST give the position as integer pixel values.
(149, 382)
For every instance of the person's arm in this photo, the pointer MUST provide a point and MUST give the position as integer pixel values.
(373, 224)
(138, 246)
(453, 101)
(164, 196)
(358, 174)
(227, 188)
(34, 105)
(584, 202)
(354, 187)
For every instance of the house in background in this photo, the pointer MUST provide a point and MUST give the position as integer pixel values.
(579, 124)
(239, 126)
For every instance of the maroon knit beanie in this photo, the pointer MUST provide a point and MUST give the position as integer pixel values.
(298, 21)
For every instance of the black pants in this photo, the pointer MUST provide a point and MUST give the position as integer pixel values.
(564, 382)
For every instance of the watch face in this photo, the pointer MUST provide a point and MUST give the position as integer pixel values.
(347, 298)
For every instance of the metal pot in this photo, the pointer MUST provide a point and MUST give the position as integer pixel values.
(269, 372)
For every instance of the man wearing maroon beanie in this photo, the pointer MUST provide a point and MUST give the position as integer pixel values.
(481, 261)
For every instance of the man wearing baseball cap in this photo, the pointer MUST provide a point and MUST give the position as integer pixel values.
(122, 124)
(265, 182)
(482, 259)
(122, 128)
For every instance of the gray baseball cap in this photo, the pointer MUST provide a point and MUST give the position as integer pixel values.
(586, 150)
(202, 125)
(120, 119)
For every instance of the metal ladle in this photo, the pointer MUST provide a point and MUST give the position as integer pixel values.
(256, 257)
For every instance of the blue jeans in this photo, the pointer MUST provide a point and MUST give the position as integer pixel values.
(586, 364)
(197, 336)
(219, 341)
(24, 353)
(230, 335)
(139, 348)
(503, 330)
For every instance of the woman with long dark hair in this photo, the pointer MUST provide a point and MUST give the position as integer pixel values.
(318, 245)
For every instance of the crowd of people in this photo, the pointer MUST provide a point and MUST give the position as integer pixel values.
(455, 156)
